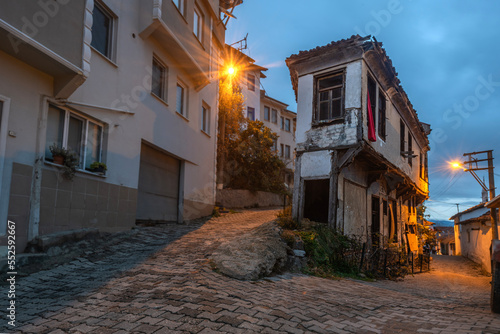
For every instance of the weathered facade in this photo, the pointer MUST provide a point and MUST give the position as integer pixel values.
(360, 176)
(473, 234)
(131, 84)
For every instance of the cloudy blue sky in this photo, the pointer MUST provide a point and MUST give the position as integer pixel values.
(447, 54)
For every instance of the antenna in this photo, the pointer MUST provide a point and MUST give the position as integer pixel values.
(242, 44)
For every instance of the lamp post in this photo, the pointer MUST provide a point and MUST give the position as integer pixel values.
(471, 166)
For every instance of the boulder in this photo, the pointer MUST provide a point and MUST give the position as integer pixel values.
(253, 255)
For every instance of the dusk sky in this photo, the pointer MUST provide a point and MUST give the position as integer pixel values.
(446, 53)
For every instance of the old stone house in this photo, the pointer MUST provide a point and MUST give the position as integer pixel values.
(361, 163)
(132, 84)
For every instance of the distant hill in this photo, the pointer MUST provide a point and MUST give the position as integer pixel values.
(442, 222)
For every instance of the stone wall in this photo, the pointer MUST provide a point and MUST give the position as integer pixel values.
(237, 198)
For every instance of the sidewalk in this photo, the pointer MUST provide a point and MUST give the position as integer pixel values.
(175, 291)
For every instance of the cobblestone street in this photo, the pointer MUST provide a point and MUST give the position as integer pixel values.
(176, 291)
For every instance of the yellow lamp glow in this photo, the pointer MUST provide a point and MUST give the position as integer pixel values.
(231, 70)
(456, 165)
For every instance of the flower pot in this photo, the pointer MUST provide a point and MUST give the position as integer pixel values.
(98, 170)
(58, 159)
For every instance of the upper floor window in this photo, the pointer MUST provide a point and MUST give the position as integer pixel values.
(282, 150)
(76, 133)
(330, 97)
(159, 79)
(381, 116)
(205, 119)
(180, 102)
(251, 113)
(102, 30)
(251, 82)
(266, 114)
(287, 124)
(287, 152)
(402, 136)
(180, 5)
(282, 123)
(274, 116)
(198, 23)
(410, 149)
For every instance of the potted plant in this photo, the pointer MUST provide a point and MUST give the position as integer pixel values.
(66, 158)
(58, 153)
(71, 161)
(98, 167)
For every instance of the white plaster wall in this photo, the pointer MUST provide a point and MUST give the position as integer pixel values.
(316, 164)
(474, 214)
(353, 85)
(304, 107)
(26, 87)
(478, 248)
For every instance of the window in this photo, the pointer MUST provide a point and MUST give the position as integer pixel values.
(421, 166)
(282, 151)
(266, 113)
(274, 116)
(287, 152)
(410, 148)
(287, 124)
(198, 24)
(282, 123)
(180, 5)
(76, 133)
(205, 119)
(372, 91)
(251, 82)
(159, 80)
(402, 136)
(102, 30)
(251, 113)
(180, 102)
(381, 116)
(275, 146)
(330, 97)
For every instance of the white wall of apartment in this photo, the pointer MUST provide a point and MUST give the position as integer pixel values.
(25, 88)
(252, 97)
(126, 84)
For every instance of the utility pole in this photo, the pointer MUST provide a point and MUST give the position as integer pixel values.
(472, 165)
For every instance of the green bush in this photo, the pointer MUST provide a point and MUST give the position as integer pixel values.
(286, 221)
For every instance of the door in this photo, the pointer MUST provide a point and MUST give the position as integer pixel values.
(375, 221)
(158, 193)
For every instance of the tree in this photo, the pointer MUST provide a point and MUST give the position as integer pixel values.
(230, 122)
(255, 163)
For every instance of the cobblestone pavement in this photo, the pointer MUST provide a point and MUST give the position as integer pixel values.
(175, 291)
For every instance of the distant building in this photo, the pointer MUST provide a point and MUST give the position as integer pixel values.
(259, 106)
(131, 84)
(473, 234)
(362, 174)
(445, 238)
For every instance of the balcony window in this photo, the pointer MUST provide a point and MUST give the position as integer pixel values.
(198, 24)
(180, 5)
(205, 119)
(287, 124)
(266, 114)
(180, 102)
(274, 116)
(74, 132)
(251, 113)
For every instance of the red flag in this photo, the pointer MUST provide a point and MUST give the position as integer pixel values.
(371, 124)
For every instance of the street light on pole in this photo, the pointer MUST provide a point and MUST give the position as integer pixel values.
(472, 165)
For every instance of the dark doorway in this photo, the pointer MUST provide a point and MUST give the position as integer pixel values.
(394, 222)
(375, 221)
(316, 200)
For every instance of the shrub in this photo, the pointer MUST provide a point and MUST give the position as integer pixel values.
(286, 221)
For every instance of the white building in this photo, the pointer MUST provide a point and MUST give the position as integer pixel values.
(132, 84)
(364, 177)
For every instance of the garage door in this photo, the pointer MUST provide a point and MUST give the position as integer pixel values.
(158, 195)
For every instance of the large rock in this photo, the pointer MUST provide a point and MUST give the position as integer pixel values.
(253, 255)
